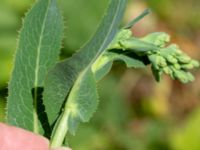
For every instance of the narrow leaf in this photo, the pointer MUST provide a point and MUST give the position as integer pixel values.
(37, 52)
(137, 19)
(67, 74)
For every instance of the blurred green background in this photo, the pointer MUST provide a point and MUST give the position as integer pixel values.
(135, 112)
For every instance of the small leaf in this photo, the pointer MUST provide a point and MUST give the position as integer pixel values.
(103, 65)
(158, 38)
(137, 19)
(38, 51)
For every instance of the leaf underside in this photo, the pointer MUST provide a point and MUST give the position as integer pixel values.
(72, 81)
(109, 57)
(37, 52)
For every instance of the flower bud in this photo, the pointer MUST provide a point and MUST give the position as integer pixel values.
(168, 71)
(171, 59)
(152, 59)
(181, 75)
(121, 35)
(161, 61)
(172, 49)
(187, 66)
(190, 77)
(157, 38)
(177, 66)
(157, 73)
(195, 63)
(124, 34)
(138, 46)
(183, 58)
(157, 61)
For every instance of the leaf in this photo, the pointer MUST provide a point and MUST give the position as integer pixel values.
(83, 100)
(137, 19)
(103, 65)
(37, 52)
(70, 74)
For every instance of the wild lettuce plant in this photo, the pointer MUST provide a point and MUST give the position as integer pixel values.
(51, 97)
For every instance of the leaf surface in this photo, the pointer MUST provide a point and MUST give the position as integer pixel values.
(71, 74)
(103, 65)
(37, 52)
(82, 101)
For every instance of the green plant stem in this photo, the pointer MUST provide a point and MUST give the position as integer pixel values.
(60, 131)
(35, 116)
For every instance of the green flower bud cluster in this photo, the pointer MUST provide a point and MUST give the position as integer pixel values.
(172, 61)
(158, 38)
(122, 35)
(169, 60)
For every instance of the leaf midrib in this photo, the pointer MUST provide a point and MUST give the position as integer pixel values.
(38, 52)
(97, 55)
(112, 24)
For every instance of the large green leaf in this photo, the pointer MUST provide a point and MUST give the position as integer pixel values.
(37, 52)
(65, 80)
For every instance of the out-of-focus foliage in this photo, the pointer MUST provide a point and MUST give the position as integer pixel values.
(8, 23)
(180, 14)
(135, 112)
(81, 20)
(187, 137)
